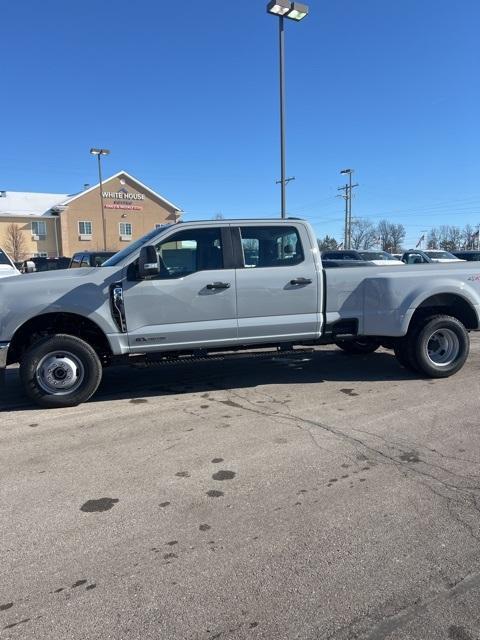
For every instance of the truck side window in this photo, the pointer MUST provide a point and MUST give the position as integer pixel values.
(271, 246)
(189, 251)
(76, 260)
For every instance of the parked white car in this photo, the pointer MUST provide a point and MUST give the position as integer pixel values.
(441, 256)
(381, 258)
(7, 267)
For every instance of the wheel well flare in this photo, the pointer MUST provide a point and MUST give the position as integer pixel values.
(55, 323)
(448, 304)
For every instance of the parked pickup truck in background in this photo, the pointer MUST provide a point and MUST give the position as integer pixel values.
(89, 259)
(187, 289)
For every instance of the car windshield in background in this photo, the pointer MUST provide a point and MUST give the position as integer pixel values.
(4, 259)
(376, 255)
(441, 255)
(124, 253)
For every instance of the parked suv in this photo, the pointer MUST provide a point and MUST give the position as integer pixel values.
(89, 259)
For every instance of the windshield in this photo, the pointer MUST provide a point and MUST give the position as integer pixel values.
(124, 253)
(376, 255)
(4, 259)
(439, 255)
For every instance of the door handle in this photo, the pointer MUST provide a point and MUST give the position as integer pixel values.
(218, 285)
(301, 281)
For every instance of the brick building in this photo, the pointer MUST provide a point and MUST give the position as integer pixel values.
(59, 224)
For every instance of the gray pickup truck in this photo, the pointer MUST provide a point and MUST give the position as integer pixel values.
(200, 288)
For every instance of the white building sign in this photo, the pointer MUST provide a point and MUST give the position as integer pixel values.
(123, 199)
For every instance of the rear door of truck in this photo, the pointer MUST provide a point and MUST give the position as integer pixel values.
(278, 282)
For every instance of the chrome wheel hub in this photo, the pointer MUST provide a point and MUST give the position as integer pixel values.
(443, 347)
(60, 373)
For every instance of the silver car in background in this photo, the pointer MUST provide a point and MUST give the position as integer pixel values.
(7, 267)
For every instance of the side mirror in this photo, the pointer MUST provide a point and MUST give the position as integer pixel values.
(148, 263)
(30, 267)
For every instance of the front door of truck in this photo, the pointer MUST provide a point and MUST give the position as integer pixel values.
(278, 284)
(192, 302)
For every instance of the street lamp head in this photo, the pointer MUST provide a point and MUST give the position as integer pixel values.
(99, 152)
(279, 7)
(346, 171)
(297, 11)
(287, 9)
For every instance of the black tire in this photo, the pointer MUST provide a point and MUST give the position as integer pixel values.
(439, 346)
(51, 361)
(401, 354)
(358, 347)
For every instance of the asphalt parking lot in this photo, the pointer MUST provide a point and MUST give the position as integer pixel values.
(320, 496)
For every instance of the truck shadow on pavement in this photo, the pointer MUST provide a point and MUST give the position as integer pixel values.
(326, 365)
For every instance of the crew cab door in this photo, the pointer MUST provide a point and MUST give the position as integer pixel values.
(278, 283)
(192, 302)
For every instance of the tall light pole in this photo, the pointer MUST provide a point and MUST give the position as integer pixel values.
(294, 11)
(99, 153)
(348, 208)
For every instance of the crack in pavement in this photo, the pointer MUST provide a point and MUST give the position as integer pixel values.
(384, 457)
(405, 616)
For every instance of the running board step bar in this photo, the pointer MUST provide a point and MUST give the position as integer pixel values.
(142, 361)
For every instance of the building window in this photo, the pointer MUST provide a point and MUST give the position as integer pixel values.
(39, 229)
(85, 228)
(125, 230)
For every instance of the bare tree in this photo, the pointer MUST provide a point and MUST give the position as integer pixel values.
(219, 216)
(450, 238)
(363, 234)
(390, 235)
(15, 243)
(383, 233)
(432, 239)
(397, 233)
(455, 237)
(468, 237)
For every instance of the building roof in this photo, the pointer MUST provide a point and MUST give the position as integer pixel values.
(130, 177)
(25, 204)
(28, 204)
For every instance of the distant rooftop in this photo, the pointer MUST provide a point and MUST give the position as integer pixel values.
(26, 204)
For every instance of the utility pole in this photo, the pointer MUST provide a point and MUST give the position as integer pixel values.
(348, 206)
(345, 197)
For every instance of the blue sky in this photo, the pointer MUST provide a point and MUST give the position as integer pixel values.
(187, 101)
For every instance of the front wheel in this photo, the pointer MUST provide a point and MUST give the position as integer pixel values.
(60, 371)
(439, 347)
(358, 346)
